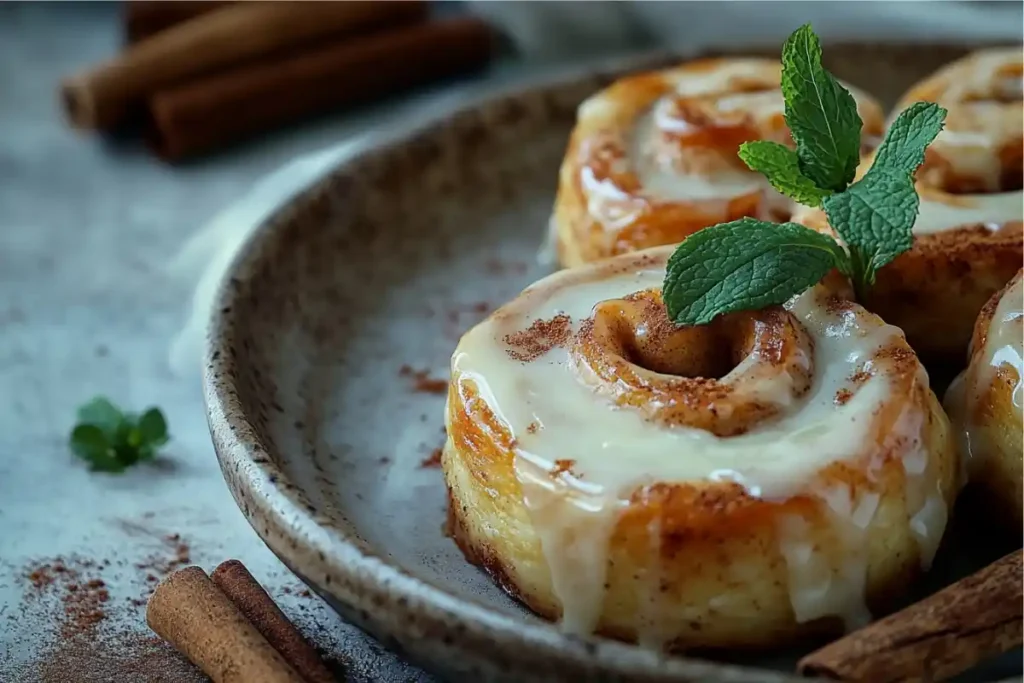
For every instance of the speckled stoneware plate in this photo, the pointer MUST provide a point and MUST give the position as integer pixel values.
(381, 264)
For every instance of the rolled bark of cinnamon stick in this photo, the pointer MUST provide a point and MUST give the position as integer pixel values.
(143, 18)
(191, 613)
(103, 97)
(235, 581)
(224, 108)
(943, 635)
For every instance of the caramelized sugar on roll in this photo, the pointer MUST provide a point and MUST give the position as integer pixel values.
(980, 149)
(653, 157)
(969, 234)
(738, 484)
(986, 404)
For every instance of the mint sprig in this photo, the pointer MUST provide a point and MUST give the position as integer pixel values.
(781, 166)
(743, 265)
(821, 114)
(111, 440)
(749, 264)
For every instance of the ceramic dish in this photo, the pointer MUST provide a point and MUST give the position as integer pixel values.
(332, 323)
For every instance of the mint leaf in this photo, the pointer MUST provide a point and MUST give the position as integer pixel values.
(111, 440)
(153, 427)
(743, 265)
(781, 166)
(821, 114)
(101, 413)
(89, 443)
(874, 216)
(908, 136)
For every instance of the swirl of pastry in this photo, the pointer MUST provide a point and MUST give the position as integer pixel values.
(738, 484)
(986, 403)
(653, 158)
(981, 147)
(969, 234)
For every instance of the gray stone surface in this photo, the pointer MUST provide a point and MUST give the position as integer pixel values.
(88, 307)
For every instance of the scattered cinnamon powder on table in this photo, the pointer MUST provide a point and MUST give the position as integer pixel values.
(433, 460)
(423, 382)
(539, 338)
(82, 598)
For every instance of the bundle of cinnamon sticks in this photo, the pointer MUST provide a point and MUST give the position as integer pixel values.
(203, 75)
(229, 627)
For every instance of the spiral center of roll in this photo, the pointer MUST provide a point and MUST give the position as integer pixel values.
(723, 377)
(980, 150)
(637, 329)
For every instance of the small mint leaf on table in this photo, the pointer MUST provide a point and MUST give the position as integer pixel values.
(89, 443)
(744, 265)
(781, 166)
(821, 114)
(153, 427)
(111, 440)
(101, 413)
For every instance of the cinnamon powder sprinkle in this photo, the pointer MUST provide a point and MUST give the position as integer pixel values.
(433, 460)
(423, 382)
(562, 466)
(539, 338)
(860, 377)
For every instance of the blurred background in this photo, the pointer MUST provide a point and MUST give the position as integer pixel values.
(139, 142)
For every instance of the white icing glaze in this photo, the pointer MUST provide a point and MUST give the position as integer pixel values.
(982, 94)
(981, 138)
(940, 212)
(670, 169)
(616, 451)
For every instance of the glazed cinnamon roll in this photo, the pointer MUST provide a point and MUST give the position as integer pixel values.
(653, 157)
(986, 404)
(969, 235)
(739, 484)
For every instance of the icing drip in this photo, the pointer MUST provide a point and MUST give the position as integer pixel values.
(574, 525)
(616, 449)
(819, 587)
(652, 623)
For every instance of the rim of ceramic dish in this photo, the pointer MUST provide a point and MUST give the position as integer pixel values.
(284, 518)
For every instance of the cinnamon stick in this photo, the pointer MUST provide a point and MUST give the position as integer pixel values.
(947, 633)
(104, 96)
(259, 608)
(191, 613)
(143, 18)
(224, 108)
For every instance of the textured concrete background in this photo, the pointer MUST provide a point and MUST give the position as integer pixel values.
(87, 306)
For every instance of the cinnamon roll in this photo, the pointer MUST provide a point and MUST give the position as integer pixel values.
(739, 484)
(969, 235)
(986, 404)
(653, 157)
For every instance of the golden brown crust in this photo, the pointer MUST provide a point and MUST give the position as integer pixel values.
(710, 550)
(982, 407)
(705, 138)
(935, 290)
